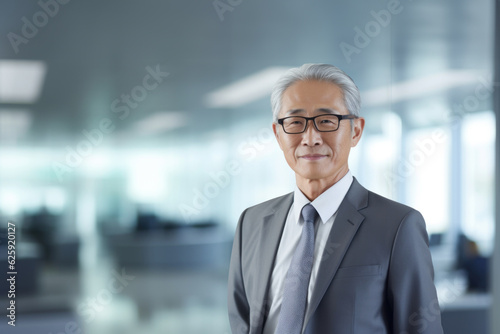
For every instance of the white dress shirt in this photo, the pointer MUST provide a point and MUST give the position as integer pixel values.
(326, 205)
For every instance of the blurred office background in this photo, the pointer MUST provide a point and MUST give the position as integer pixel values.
(134, 133)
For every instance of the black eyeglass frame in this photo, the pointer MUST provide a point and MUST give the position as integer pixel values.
(340, 117)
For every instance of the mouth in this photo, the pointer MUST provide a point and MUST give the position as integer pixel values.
(312, 157)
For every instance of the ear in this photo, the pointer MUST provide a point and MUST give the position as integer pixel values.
(357, 131)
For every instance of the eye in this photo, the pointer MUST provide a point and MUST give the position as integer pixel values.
(295, 121)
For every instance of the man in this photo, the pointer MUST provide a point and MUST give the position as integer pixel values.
(330, 257)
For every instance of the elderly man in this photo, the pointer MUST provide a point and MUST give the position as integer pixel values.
(330, 257)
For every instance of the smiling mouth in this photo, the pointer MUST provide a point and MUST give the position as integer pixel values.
(313, 157)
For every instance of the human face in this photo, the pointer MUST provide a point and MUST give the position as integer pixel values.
(314, 156)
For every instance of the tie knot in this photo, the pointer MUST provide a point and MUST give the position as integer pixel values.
(309, 213)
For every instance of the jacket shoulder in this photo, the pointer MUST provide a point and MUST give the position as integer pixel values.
(367, 200)
(271, 204)
(390, 208)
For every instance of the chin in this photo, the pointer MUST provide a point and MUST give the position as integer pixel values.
(312, 175)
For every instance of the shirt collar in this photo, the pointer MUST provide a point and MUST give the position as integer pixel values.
(325, 204)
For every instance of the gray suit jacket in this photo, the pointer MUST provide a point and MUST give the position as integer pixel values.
(375, 276)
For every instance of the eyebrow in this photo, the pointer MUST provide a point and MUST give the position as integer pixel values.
(320, 110)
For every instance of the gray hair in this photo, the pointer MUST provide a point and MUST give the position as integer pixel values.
(319, 72)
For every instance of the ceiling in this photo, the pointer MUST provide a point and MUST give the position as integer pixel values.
(95, 51)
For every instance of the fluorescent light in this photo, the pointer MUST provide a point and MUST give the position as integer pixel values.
(161, 121)
(21, 81)
(415, 88)
(246, 90)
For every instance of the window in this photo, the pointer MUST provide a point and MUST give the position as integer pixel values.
(427, 164)
(478, 144)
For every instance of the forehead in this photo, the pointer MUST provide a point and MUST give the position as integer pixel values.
(311, 95)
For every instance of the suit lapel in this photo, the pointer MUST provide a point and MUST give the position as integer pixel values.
(344, 228)
(271, 230)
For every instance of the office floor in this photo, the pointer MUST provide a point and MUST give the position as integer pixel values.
(103, 297)
(96, 301)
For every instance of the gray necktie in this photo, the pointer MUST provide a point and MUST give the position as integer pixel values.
(293, 306)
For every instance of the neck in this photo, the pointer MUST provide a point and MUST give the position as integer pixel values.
(313, 188)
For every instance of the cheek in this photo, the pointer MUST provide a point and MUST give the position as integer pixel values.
(290, 146)
(340, 149)
(291, 153)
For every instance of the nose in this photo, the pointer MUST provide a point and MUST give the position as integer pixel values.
(311, 136)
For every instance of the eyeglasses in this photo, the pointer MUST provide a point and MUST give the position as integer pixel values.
(322, 123)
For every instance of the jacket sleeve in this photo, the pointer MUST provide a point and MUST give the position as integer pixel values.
(237, 303)
(411, 289)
